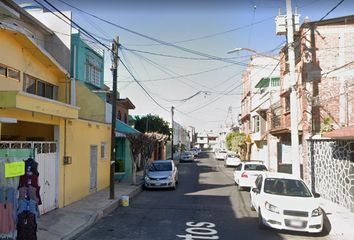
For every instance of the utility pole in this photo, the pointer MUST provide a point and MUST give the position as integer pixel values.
(293, 92)
(172, 114)
(114, 69)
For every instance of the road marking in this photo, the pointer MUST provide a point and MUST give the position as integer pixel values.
(200, 230)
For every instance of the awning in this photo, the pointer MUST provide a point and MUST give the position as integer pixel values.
(263, 83)
(266, 82)
(122, 128)
(341, 133)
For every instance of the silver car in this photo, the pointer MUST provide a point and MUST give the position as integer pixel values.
(161, 174)
(186, 156)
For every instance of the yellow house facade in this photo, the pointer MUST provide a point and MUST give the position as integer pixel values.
(34, 111)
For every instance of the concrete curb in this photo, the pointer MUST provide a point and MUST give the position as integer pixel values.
(100, 213)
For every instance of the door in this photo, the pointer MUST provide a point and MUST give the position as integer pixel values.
(46, 156)
(93, 167)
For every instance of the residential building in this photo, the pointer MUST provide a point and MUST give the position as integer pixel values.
(261, 84)
(72, 149)
(324, 73)
(202, 140)
(213, 140)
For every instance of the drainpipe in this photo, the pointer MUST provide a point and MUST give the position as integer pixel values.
(64, 186)
(73, 81)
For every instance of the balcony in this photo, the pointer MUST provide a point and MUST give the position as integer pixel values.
(33, 103)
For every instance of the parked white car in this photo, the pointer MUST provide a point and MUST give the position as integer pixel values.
(232, 160)
(246, 173)
(221, 155)
(161, 174)
(283, 201)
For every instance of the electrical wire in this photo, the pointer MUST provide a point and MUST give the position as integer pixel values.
(154, 39)
(142, 87)
(73, 22)
(174, 56)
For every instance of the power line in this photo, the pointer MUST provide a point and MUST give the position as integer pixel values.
(142, 87)
(154, 39)
(174, 56)
(186, 75)
(73, 22)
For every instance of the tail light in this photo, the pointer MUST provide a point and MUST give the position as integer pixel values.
(244, 175)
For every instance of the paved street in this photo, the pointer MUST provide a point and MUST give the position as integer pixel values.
(206, 199)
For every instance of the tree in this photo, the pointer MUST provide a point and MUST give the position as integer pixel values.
(152, 123)
(142, 146)
(139, 146)
(236, 142)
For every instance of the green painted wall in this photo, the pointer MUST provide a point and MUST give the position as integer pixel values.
(84, 52)
(123, 155)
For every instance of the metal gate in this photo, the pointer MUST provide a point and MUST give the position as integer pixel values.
(48, 165)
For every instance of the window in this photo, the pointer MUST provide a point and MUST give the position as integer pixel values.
(104, 150)
(256, 123)
(3, 71)
(9, 72)
(12, 73)
(119, 115)
(40, 88)
(35, 86)
(93, 72)
(125, 118)
(29, 84)
(49, 91)
(287, 103)
(275, 82)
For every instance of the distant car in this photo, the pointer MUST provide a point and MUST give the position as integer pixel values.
(161, 174)
(195, 152)
(186, 156)
(232, 160)
(221, 155)
(283, 201)
(246, 173)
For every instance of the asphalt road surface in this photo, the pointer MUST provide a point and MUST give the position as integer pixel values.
(206, 205)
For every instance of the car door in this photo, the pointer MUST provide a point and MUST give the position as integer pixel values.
(175, 172)
(256, 197)
(237, 173)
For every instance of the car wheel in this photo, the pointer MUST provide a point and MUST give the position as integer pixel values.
(260, 221)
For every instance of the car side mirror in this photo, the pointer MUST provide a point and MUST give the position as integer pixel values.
(316, 195)
(255, 190)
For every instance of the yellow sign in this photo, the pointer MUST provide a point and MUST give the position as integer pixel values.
(14, 169)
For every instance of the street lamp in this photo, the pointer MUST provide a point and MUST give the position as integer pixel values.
(251, 50)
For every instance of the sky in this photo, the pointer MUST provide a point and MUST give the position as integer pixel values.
(204, 91)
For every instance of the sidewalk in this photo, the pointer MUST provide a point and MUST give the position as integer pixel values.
(340, 220)
(70, 221)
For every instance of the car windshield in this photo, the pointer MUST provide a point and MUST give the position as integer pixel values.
(231, 156)
(255, 167)
(286, 187)
(157, 167)
(222, 152)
